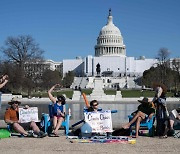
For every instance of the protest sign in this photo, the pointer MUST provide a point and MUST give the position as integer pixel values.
(99, 121)
(28, 115)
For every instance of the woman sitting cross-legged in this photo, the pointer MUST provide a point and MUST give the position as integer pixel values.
(58, 110)
(145, 111)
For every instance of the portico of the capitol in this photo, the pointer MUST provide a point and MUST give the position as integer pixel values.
(116, 69)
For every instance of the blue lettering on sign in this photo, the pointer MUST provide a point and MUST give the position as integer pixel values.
(103, 117)
(26, 111)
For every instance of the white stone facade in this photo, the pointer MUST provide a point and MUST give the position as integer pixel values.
(110, 53)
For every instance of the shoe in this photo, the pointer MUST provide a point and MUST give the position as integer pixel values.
(53, 135)
(41, 134)
(30, 134)
(163, 137)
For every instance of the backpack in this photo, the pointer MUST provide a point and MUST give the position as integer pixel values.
(4, 133)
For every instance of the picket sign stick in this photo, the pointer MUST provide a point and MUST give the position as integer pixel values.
(86, 100)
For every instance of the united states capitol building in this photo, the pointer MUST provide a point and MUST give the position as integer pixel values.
(116, 69)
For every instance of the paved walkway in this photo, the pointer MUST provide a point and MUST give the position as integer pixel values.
(144, 145)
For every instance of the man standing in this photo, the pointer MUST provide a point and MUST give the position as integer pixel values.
(12, 118)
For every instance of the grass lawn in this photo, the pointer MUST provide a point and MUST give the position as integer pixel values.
(125, 93)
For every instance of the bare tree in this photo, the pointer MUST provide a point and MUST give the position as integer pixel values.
(22, 49)
(163, 55)
(18, 51)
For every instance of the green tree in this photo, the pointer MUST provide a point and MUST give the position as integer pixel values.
(154, 75)
(68, 79)
(50, 78)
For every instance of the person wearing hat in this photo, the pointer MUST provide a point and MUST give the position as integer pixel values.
(11, 117)
(145, 111)
(58, 110)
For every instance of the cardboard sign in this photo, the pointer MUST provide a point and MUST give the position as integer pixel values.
(28, 115)
(175, 113)
(99, 121)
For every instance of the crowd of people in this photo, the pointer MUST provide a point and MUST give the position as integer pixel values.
(165, 122)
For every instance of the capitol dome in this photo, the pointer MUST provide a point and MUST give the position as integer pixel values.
(110, 40)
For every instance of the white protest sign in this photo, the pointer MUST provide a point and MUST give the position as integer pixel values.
(99, 121)
(28, 115)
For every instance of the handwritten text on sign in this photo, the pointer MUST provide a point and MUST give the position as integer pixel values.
(99, 121)
(28, 115)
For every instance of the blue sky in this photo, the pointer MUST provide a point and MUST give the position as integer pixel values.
(69, 28)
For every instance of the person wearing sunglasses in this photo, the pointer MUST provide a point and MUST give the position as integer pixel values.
(59, 110)
(93, 106)
(11, 117)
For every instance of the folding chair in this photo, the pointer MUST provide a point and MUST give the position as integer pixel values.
(147, 123)
(47, 121)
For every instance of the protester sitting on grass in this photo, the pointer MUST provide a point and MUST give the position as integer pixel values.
(11, 118)
(145, 111)
(58, 110)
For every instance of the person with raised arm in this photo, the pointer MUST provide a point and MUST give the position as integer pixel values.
(58, 109)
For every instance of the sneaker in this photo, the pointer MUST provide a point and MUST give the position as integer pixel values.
(30, 134)
(41, 134)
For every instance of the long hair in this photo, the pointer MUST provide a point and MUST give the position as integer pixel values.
(157, 84)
